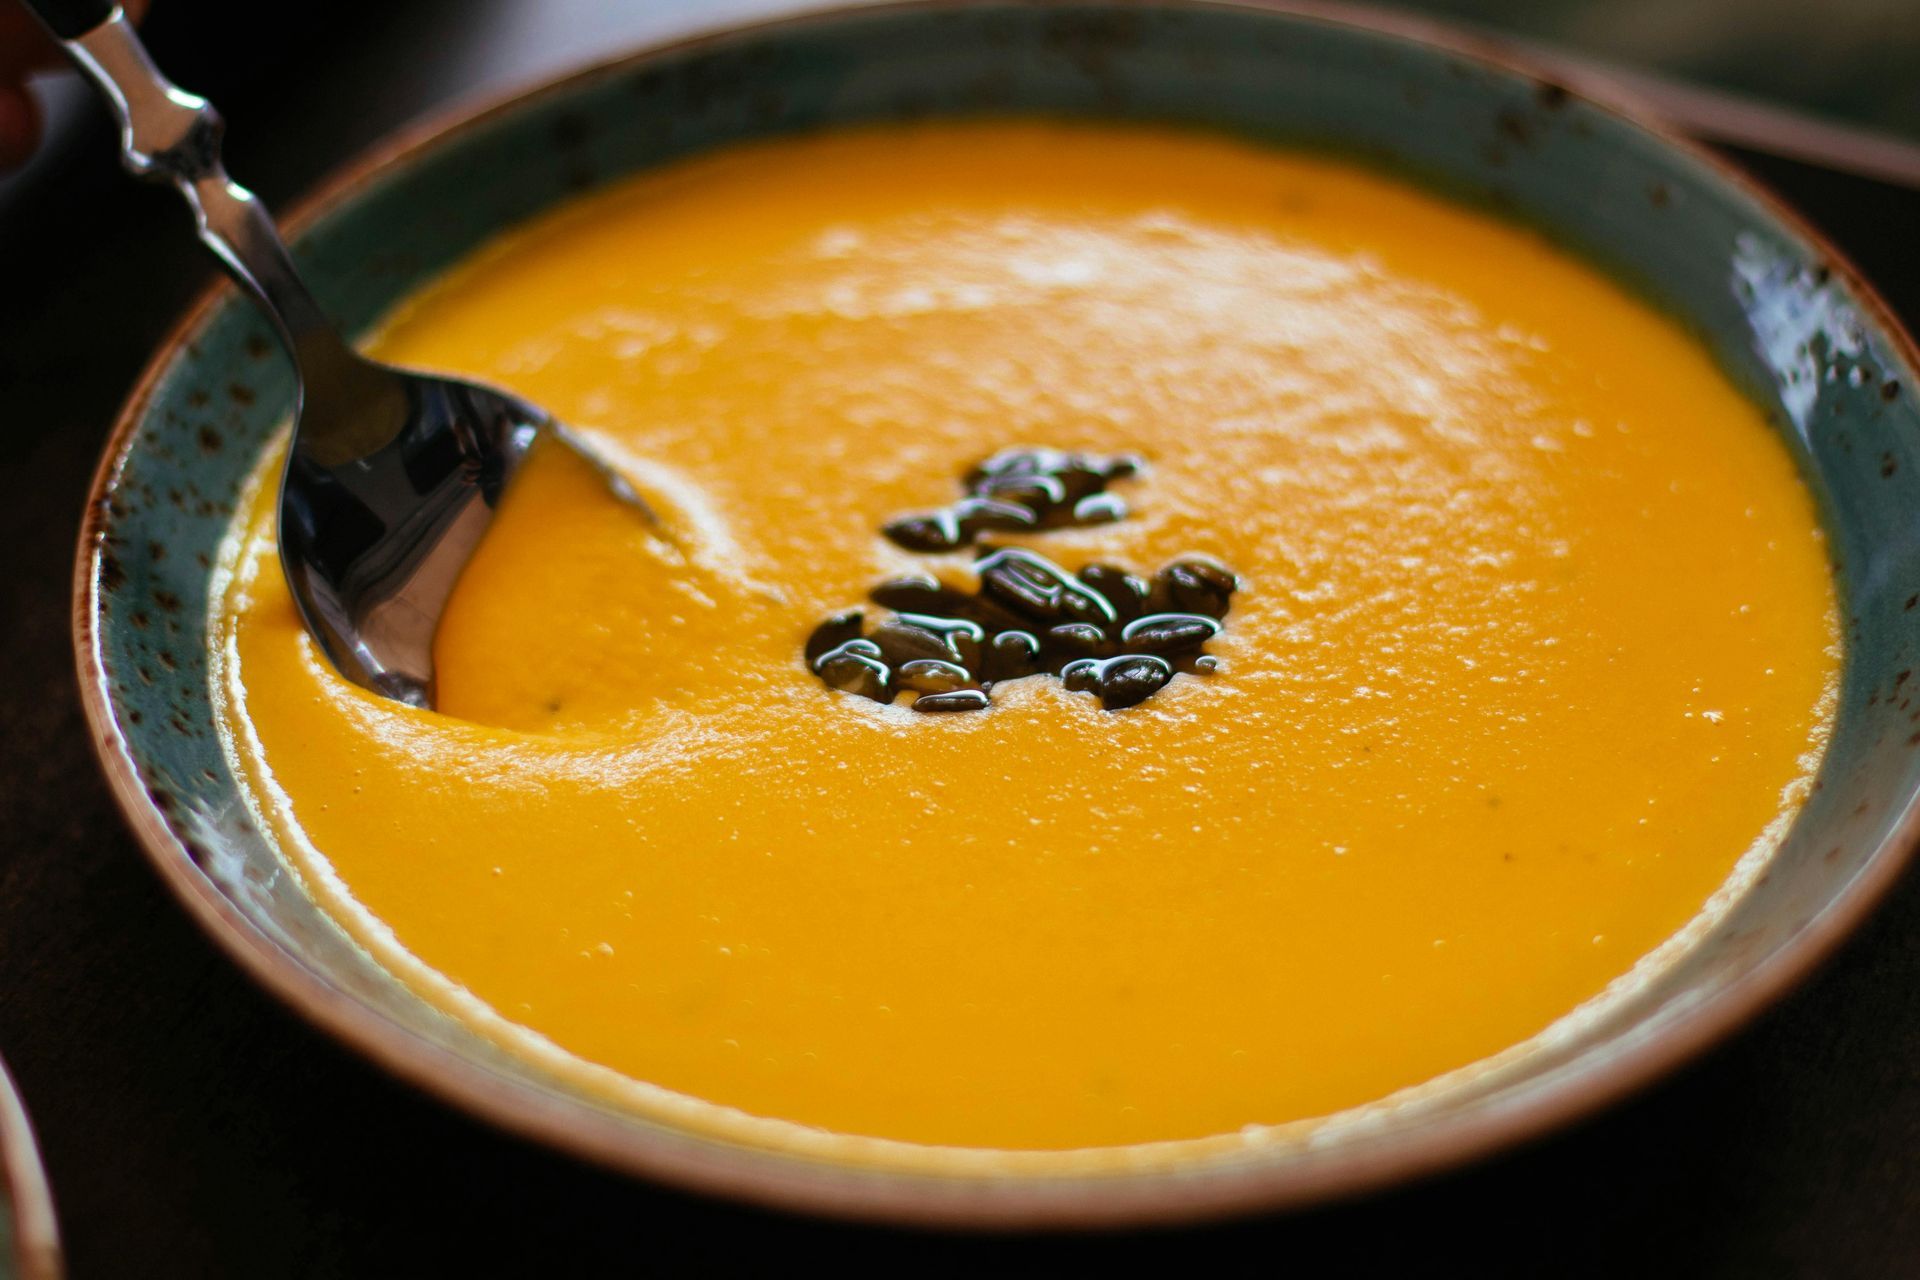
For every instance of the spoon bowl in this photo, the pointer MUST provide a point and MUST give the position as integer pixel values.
(372, 542)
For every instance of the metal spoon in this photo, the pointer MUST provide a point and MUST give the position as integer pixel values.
(393, 476)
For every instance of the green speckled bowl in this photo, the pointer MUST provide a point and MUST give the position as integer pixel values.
(1792, 323)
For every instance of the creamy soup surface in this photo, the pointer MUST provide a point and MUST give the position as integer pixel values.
(1536, 640)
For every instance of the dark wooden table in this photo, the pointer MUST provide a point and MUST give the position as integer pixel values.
(192, 1127)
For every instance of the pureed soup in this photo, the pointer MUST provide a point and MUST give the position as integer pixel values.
(1519, 647)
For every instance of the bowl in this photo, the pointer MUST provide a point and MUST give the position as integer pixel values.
(29, 1237)
(1790, 321)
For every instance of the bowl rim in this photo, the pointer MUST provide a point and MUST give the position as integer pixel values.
(23, 1184)
(1206, 1190)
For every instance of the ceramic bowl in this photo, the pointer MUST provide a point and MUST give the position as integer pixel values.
(1793, 324)
(29, 1238)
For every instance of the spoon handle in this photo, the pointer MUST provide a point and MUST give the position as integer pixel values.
(169, 135)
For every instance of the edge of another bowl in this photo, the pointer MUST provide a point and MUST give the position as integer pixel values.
(25, 1200)
(783, 1180)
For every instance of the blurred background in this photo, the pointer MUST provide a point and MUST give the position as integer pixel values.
(1855, 60)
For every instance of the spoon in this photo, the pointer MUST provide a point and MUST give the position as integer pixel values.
(393, 476)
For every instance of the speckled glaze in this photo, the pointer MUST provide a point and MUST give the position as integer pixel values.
(1791, 322)
(29, 1237)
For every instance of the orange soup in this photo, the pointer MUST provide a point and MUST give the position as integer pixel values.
(1531, 655)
